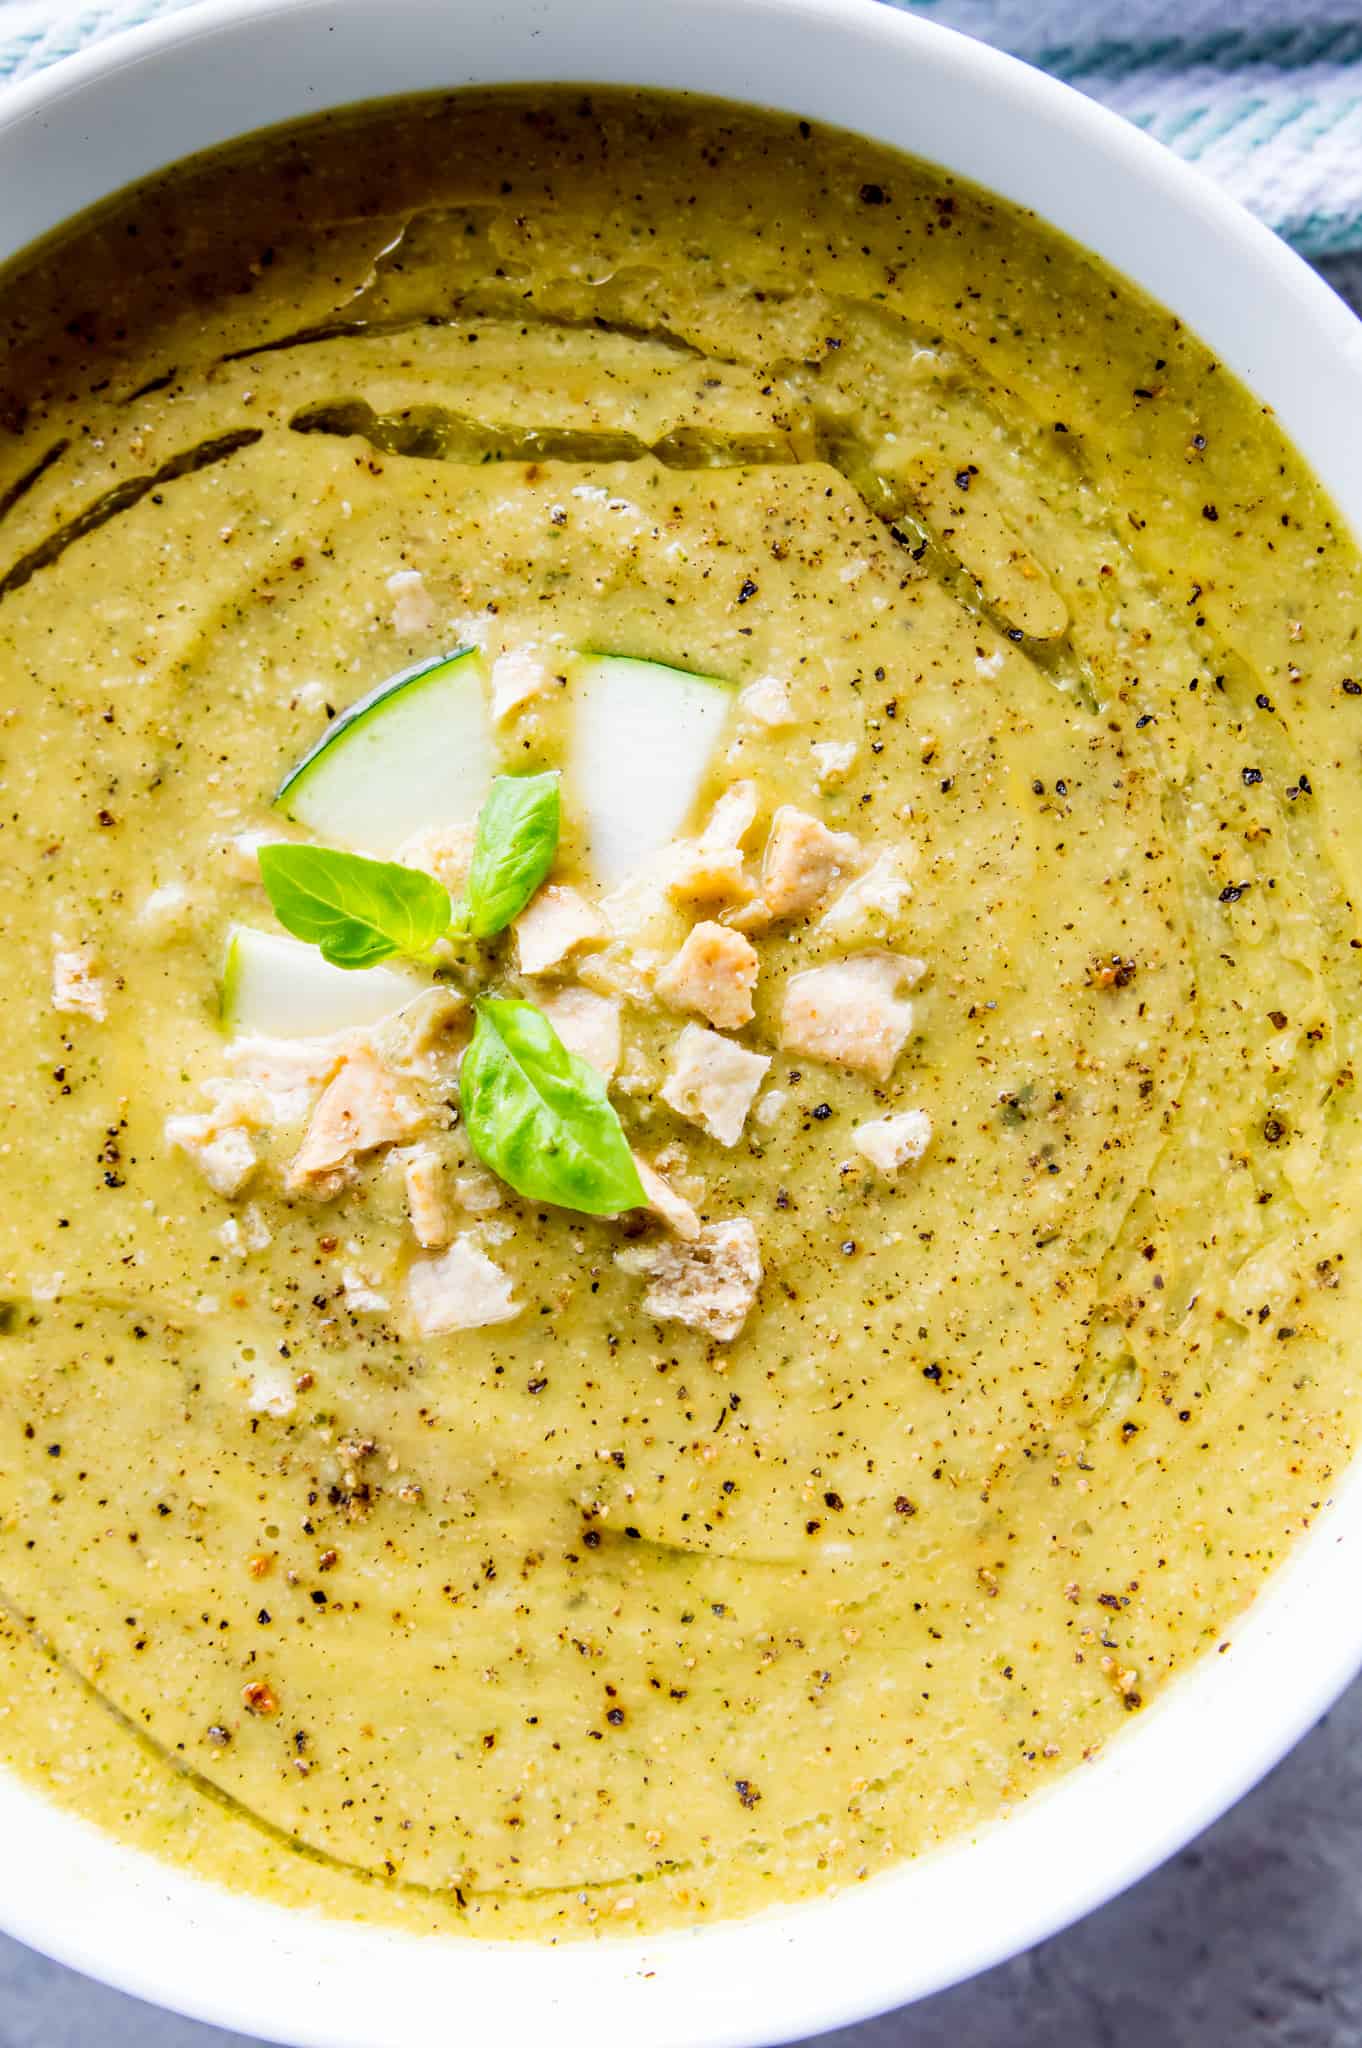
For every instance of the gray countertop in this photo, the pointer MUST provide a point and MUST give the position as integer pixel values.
(1252, 1935)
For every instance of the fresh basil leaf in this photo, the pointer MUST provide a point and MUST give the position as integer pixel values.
(516, 841)
(358, 911)
(540, 1117)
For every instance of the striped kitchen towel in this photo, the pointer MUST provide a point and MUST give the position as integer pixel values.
(1265, 94)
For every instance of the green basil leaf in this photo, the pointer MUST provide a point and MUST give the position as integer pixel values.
(540, 1117)
(358, 911)
(517, 839)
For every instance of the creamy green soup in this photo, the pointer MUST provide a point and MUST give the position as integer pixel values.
(947, 687)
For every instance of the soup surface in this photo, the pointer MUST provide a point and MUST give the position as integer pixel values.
(950, 908)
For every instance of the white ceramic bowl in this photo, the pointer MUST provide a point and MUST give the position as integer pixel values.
(134, 105)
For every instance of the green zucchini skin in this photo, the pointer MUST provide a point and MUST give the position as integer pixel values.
(345, 790)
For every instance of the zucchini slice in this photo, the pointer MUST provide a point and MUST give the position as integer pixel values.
(414, 754)
(273, 987)
(645, 737)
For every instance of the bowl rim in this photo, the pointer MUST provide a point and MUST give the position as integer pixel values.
(161, 1934)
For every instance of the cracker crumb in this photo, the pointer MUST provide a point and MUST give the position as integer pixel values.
(890, 1142)
(77, 987)
(413, 609)
(714, 973)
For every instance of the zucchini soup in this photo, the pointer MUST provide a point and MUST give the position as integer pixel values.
(681, 815)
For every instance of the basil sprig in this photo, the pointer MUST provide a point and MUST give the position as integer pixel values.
(535, 1113)
(361, 911)
(516, 841)
(357, 911)
(540, 1117)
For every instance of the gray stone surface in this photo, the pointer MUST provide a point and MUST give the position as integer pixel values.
(1252, 1935)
